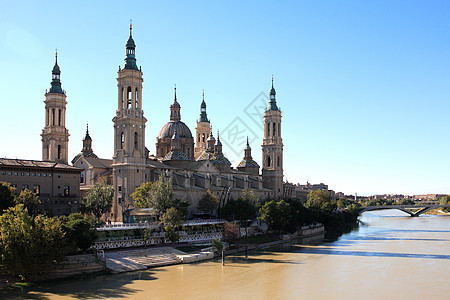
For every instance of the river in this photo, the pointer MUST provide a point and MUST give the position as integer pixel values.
(389, 256)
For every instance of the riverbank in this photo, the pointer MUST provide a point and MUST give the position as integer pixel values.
(126, 260)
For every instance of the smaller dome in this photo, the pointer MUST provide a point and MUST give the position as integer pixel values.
(56, 69)
(83, 154)
(176, 155)
(248, 163)
(206, 156)
(220, 159)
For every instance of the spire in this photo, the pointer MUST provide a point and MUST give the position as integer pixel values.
(175, 108)
(211, 141)
(203, 115)
(130, 58)
(273, 101)
(248, 152)
(87, 142)
(56, 73)
(218, 145)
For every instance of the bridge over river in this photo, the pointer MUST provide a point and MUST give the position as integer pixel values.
(412, 210)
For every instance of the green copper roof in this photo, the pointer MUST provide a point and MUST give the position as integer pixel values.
(273, 101)
(130, 58)
(203, 115)
(56, 82)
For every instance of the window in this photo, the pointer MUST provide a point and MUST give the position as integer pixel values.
(82, 177)
(122, 140)
(129, 95)
(268, 129)
(119, 200)
(15, 173)
(34, 174)
(268, 161)
(66, 190)
(21, 174)
(136, 98)
(39, 174)
(59, 117)
(45, 175)
(135, 140)
(203, 137)
(9, 173)
(59, 151)
(274, 129)
(48, 151)
(119, 188)
(28, 174)
(36, 189)
(53, 117)
(3, 173)
(25, 187)
(199, 138)
(278, 161)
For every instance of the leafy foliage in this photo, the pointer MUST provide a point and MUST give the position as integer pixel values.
(230, 232)
(30, 245)
(79, 233)
(171, 234)
(209, 203)
(240, 210)
(29, 200)
(173, 217)
(7, 194)
(157, 195)
(99, 200)
(217, 245)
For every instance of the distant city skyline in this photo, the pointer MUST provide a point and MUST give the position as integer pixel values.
(363, 87)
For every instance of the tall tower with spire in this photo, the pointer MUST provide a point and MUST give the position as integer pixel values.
(129, 132)
(202, 130)
(272, 148)
(55, 136)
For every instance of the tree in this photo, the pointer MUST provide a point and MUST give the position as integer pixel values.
(7, 194)
(241, 210)
(30, 245)
(209, 203)
(318, 199)
(79, 233)
(276, 214)
(249, 196)
(171, 234)
(173, 217)
(217, 245)
(230, 232)
(29, 200)
(99, 200)
(157, 195)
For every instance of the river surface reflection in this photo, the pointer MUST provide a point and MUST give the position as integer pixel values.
(390, 256)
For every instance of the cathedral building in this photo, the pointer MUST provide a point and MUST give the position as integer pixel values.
(194, 164)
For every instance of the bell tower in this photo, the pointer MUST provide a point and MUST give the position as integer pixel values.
(202, 130)
(129, 133)
(272, 148)
(55, 136)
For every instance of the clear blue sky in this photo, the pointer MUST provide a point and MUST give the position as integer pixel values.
(364, 86)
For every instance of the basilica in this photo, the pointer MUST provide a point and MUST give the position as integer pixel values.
(194, 163)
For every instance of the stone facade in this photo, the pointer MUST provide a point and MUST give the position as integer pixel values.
(56, 184)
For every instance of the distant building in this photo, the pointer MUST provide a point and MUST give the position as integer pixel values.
(56, 184)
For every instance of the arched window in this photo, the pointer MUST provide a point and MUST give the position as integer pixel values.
(59, 117)
(48, 151)
(268, 129)
(123, 98)
(135, 140)
(199, 138)
(122, 140)
(59, 151)
(268, 161)
(136, 98)
(53, 117)
(278, 161)
(189, 152)
(274, 129)
(203, 137)
(279, 129)
(129, 97)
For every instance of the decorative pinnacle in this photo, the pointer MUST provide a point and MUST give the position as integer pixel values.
(87, 127)
(272, 80)
(175, 89)
(247, 141)
(203, 95)
(131, 26)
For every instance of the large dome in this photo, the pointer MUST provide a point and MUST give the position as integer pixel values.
(169, 128)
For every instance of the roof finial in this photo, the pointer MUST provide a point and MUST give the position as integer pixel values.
(272, 80)
(87, 127)
(217, 134)
(203, 95)
(175, 92)
(247, 141)
(131, 26)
